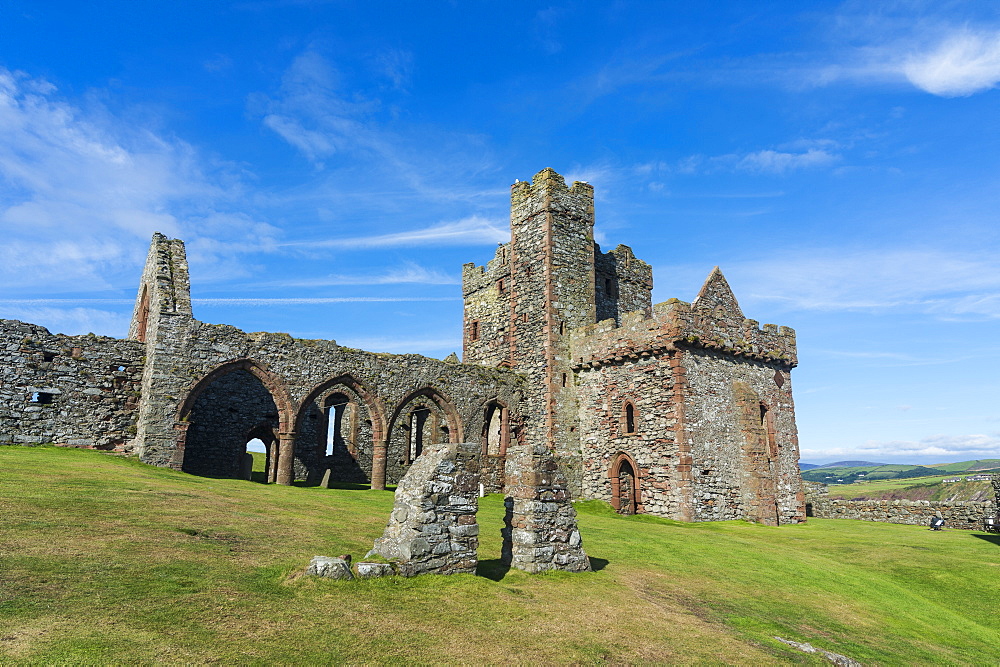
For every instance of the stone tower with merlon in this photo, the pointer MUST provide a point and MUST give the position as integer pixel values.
(681, 410)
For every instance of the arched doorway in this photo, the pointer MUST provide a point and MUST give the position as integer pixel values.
(234, 404)
(625, 492)
(264, 433)
(338, 426)
(495, 438)
(422, 418)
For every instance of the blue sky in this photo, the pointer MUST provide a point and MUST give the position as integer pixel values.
(331, 165)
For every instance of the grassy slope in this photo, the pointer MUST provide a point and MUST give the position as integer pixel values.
(106, 560)
(917, 488)
(969, 466)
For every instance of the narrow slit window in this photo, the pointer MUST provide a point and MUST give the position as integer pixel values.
(628, 418)
(474, 330)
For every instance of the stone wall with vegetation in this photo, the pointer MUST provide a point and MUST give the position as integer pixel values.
(956, 513)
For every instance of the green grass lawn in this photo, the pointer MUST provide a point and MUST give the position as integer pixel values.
(105, 560)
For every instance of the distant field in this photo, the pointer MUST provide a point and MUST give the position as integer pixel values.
(979, 464)
(108, 561)
(919, 488)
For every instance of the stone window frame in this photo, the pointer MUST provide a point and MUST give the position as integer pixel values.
(492, 406)
(474, 330)
(614, 471)
(767, 424)
(623, 421)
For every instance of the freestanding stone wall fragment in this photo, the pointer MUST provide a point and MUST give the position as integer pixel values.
(432, 528)
(540, 531)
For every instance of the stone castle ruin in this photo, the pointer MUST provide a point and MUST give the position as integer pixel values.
(572, 382)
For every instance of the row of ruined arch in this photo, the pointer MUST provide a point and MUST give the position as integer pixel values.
(340, 429)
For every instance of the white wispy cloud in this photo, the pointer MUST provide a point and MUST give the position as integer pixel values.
(407, 273)
(962, 63)
(71, 321)
(82, 191)
(323, 114)
(926, 50)
(765, 161)
(938, 282)
(473, 230)
(943, 447)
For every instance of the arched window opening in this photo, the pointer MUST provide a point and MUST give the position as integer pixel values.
(419, 419)
(629, 418)
(341, 426)
(422, 418)
(497, 431)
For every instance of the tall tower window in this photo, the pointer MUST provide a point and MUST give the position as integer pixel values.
(629, 418)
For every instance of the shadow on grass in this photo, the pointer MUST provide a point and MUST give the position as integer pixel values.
(493, 569)
(496, 569)
(995, 539)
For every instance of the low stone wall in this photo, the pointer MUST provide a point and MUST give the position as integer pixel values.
(957, 514)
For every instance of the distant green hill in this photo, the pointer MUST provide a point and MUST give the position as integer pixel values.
(849, 475)
(968, 466)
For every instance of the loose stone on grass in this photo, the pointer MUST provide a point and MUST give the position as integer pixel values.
(330, 567)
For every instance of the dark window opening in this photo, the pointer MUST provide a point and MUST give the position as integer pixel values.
(628, 414)
(564, 379)
(48, 356)
(501, 287)
(474, 330)
(562, 328)
(41, 397)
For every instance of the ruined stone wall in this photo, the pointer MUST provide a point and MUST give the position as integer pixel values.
(73, 390)
(966, 515)
(298, 368)
(487, 316)
(622, 283)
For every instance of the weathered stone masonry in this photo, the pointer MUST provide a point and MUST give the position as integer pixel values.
(966, 515)
(681, 410)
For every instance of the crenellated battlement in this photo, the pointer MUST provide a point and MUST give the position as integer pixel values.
(677, 324)
(475, 278)
(548, 181)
